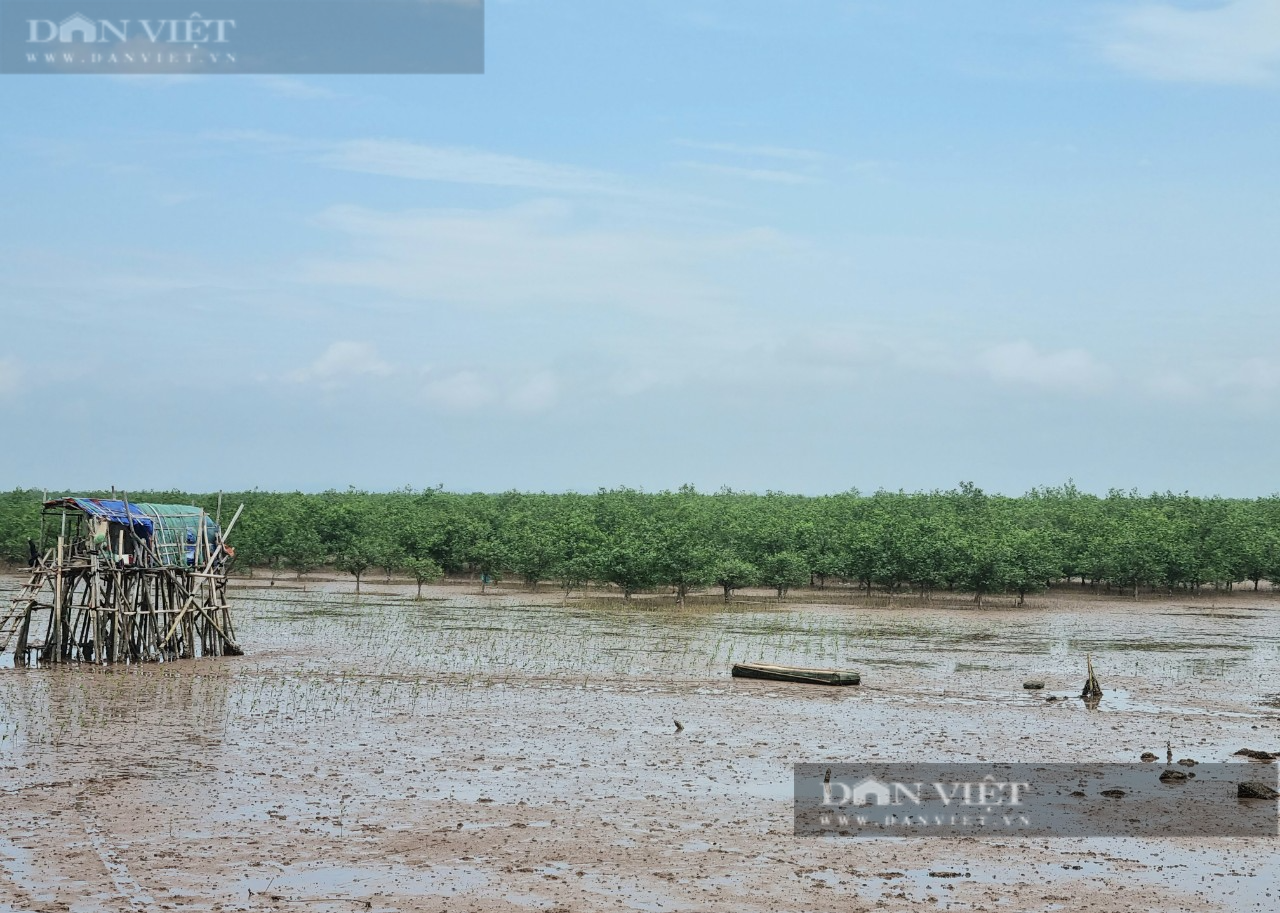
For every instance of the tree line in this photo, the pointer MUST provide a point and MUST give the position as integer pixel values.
(962, 540)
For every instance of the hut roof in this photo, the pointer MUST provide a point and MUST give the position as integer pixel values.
(170, 528)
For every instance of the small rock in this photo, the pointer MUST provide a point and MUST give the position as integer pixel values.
(1256, 755)
(1033, 685)
(1254, 790)
(1188, 762)
(1052, 697)
(1173, 776)
(1148, 757)
(1113, 793)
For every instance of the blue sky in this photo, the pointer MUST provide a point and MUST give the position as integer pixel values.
(804, 246)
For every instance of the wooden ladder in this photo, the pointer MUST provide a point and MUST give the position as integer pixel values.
(11, 621)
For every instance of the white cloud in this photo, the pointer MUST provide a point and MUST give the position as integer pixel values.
(1173, 385)
(491, 388)
(10, 377)
(156, 80)
(1022, 363)
(1224, 381)
(178, 197)
(1236, 42)
(536, 393)
(774, 152)
(633, 377)
(1255, 376)
(341, 363)
(291, 87)
(460, 391)
(534, 255)
(771, 164)
(769, 175)
(460, 165)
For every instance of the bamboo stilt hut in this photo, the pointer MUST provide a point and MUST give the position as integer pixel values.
(124, 583)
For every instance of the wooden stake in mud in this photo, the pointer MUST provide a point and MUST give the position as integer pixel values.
(1092, 690)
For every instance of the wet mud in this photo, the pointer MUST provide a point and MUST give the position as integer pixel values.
(508, 753)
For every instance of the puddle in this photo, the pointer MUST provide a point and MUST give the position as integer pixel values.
(18, 866)
(1120, 701)
(322, 887)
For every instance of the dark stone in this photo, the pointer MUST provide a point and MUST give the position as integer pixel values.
(1148, 756)
(1113, 793)
(1188, 762)
(1253, 790)
(1173, 776)
(1033, 685)
(1256, 755)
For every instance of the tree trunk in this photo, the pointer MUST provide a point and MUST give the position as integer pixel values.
(357, 584)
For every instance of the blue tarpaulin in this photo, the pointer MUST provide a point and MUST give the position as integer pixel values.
(172, 531)
(115, 512)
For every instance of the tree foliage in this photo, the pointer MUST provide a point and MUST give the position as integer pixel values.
(682, 542)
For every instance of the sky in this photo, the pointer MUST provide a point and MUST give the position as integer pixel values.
(805, 246)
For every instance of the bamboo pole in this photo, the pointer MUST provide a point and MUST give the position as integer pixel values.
(55, 635)
(222, 542)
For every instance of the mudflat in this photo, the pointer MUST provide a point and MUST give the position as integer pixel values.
(508, 752)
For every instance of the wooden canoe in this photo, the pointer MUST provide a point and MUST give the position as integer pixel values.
(796, 674)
